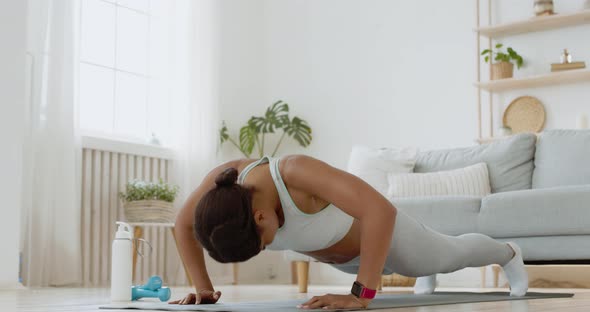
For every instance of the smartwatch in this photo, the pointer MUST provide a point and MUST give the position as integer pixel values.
(360, 291)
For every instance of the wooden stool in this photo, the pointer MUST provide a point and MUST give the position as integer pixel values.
(138, 234)
(302, 275)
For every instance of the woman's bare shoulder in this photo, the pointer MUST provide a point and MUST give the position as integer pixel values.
(294, 162)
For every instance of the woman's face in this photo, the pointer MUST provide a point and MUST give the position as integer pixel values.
(268, 224)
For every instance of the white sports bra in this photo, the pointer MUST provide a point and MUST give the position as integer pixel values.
(302, 231)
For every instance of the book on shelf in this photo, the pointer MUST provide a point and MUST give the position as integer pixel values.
(567, 66)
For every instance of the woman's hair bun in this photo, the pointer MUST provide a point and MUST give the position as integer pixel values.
(227, 178)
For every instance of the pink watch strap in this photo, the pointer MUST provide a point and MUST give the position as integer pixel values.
(368, 293)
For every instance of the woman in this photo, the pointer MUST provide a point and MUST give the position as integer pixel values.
(302, 204)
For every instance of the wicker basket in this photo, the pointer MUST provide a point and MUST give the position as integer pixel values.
(149, 211)
(502, 70)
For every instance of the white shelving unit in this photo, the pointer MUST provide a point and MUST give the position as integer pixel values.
(552, 79)
(533, 24)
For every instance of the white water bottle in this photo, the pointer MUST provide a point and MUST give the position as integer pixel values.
(121, 265)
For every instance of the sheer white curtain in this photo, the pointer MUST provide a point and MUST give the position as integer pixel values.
(183, 62)
(194, 92)
(51, 213)
(191, 79)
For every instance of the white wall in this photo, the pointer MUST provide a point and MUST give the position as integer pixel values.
(380, 73)
(12, 99)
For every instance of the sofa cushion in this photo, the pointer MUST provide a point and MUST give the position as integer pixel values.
(373, 164)
(540, 212)
(469, 181)
(510, 161)
(562, 158)
(451, 215)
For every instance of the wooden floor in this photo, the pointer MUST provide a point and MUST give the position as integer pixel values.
(88, 299)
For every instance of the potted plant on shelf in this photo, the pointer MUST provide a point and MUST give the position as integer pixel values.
(276, 117)
(149, 201)
(503, 68)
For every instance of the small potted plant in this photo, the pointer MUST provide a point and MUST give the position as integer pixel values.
(503, 68)
(149, 201)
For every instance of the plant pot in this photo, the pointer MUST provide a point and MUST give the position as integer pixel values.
(149, 211)
(502, 70)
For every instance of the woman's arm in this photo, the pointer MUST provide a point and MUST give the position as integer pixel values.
(191, 251)
(355, 197)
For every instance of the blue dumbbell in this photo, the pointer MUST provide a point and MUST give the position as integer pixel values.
(163, 293)
(152, 289)
(154, 283)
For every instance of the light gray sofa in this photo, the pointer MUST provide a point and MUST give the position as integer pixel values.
(540, 195)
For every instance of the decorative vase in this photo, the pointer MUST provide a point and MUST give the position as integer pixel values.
(565, 57)
(149, 211)
(502, 70)
(543, 7)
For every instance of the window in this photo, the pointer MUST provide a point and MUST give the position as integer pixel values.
(117, 90)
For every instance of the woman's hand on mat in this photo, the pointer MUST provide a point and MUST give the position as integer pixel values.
(202, 297)
(331, 301)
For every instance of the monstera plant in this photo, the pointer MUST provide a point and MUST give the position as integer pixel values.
(276, 118)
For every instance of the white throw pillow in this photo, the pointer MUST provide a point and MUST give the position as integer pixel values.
(472, 180)
(373, 164)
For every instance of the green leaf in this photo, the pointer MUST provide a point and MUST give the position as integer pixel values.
(512, 53)
(247, 138)
(223, 136)
(142, 190)
(487, 58)
(299, 130)
(274, 117)
(502, 57)
(499, 45)
(519, 62)
(485, 51)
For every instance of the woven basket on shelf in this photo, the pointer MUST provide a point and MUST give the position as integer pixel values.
(502, 70)
(149, 211)
(524, 114)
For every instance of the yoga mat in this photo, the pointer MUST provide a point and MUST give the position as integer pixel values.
(382, 301)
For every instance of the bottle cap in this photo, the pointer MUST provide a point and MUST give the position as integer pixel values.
(124, 231)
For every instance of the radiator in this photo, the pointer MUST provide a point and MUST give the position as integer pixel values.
(104, 174)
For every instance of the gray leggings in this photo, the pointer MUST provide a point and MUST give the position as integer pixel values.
(417, 250)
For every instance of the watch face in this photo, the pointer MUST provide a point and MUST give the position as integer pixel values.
(356, 289)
